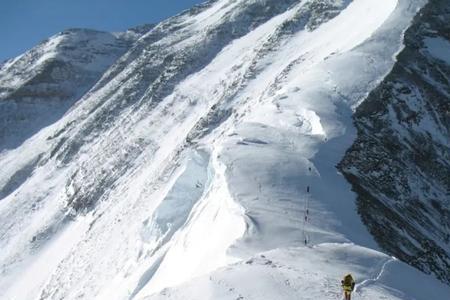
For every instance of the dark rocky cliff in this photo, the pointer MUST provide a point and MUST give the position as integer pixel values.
(400, 163)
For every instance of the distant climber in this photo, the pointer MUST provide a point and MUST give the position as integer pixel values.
(348, 285)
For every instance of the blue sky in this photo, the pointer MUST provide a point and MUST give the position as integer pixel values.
(24, 23)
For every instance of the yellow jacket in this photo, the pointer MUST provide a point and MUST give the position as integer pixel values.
(348, 283)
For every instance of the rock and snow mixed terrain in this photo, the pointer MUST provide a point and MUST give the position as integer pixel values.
(202, 163)
(400, 163)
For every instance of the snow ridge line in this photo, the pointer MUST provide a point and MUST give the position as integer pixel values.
(378, 277)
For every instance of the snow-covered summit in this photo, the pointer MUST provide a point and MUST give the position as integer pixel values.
(206, 156)
(87, 49)
(37, 87)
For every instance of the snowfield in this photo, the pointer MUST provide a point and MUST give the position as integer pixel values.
(226, 186)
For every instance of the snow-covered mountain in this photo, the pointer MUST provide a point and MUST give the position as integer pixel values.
(197, 158)
(38, 87)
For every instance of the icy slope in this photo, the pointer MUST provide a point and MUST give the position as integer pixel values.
(205, 144)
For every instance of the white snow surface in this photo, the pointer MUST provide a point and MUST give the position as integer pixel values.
(223, 218)
(309, 273)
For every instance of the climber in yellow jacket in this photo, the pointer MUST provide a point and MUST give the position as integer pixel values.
(348, 285)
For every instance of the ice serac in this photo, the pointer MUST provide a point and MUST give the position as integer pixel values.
(400, 163)
(206, 155)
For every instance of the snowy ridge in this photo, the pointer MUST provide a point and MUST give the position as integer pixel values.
(189, 167)
(309, 273)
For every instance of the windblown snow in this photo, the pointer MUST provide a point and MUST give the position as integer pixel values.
(202, 164)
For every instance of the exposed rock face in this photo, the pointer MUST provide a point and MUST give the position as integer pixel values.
(400, 163)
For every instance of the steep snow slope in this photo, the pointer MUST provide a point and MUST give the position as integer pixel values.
(400, 163)
(207, 143)
(38, 87)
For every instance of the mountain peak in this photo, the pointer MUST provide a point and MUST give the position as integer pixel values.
(196, 159)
